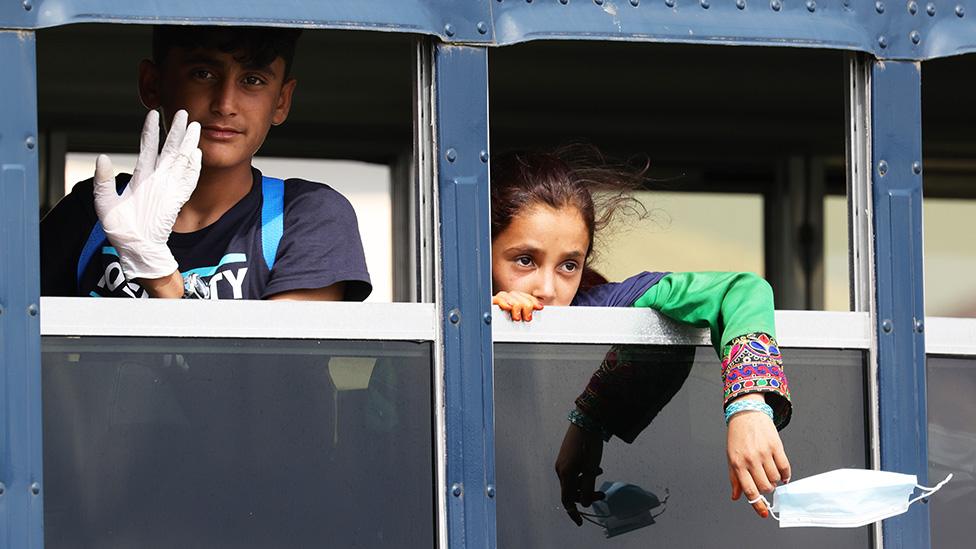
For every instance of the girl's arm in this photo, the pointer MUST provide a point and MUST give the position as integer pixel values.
(738, 310)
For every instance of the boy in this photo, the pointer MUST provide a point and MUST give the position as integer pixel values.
(202, 222)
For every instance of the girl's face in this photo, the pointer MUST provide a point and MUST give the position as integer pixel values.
(541, 253)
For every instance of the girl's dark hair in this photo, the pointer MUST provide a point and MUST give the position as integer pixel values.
(252, 46)
(567, 176)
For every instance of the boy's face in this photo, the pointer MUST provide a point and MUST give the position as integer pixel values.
(235, 104)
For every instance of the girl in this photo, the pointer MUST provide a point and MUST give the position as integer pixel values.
(543, 223)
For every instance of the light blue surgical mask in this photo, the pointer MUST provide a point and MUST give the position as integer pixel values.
(845, 498)
(626, 507)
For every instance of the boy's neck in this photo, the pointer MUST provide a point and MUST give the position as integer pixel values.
(217, 191)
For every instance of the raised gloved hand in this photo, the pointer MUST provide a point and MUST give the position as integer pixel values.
(139, 221)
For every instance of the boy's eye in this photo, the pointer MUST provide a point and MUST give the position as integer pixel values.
(523, 261)
(203, 74)
(252, 80)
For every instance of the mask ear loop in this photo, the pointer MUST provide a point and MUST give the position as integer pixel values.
(769, 507)
(929, 491)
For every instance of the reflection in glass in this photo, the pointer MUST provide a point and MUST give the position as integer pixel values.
(952, 447)
(680, 455)
(236, 443)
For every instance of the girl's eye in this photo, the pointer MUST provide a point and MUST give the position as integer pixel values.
(523, 261)
(570, 266)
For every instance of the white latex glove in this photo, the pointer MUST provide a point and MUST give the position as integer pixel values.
(138, 223)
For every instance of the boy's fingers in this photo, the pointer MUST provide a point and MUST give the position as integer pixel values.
(104, 173)
(148, 144)
(177, 129)
(190, 139)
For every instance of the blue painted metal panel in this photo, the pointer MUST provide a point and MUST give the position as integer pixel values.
(21, 511)
(457, 20)
(897, 196)
(892, 29)
(461, 77)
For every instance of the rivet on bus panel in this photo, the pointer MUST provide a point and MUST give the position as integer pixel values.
(564, 2)
(913, 8)
(482, 27)
(598, 2)
(483, 155)
(451, 155)
(883, 167)
(960, 10)
(917, 167)
(883, 41)
(486, 317)
(456, 490)
(887, 326)
(741, 4)
(449, 29)
(669, 3)
(635, 3)
(35, 488)
(27, 5)
(32, 309)
(490, 490)
(919, 326)
(879, 6)
(3, 488)
(916, 37)
(930, 9)
(704, 4)
(811, 6)
(30, 142)
(776, 5)
(454, 316)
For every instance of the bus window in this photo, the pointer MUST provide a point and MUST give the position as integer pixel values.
(741, 157)
(350, 126)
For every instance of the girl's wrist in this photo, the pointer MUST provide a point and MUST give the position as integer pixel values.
(743, 404)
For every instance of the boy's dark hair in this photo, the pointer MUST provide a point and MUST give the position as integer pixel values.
(252, 46)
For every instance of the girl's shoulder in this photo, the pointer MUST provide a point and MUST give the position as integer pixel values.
(618, 294)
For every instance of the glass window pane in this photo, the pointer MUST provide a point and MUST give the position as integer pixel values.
(952, 448)
(236, 443)
(949, 225)
(680, 456)
(680, 222)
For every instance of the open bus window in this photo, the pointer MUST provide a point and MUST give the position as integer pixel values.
(350, 126)
(741, 156)
(949, 202)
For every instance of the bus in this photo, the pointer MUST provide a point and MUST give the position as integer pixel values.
(782, 137)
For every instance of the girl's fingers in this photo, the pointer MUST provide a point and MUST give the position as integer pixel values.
(750, 491)
(772, 472)
(782, 464)
(759, 478)
(736, 488)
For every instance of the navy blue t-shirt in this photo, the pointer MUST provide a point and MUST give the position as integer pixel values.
(617, 294)
(320, 246)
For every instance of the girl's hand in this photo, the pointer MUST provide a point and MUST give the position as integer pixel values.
(757, 462)
(577, 467)
(519, 304)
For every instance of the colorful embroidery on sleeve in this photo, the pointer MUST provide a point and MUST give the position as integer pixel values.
(754, 364)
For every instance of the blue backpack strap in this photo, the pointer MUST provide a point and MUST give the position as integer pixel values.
(272, 217)
(95, 240)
